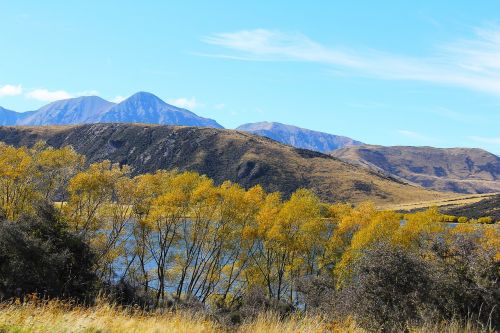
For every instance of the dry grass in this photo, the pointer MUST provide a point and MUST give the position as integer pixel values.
(60, 317)
(455, 200)
(57, 317)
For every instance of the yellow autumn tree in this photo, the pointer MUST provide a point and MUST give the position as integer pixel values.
(54, 168)
(419, 228)
(347, 220)
(17, 181)
(382, 227)
(147, 188)
(236, 232)
(290, 233)
(93, 211)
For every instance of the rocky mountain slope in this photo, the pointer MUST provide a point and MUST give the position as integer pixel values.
(223, 155)
(9, 117)
(463, 170)
(299, 137)
(141, 107)
(147, 108)
(80, 110)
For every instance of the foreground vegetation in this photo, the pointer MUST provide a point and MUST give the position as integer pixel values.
(175, 242)
(59, 317)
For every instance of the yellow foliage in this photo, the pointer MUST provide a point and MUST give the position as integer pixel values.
(381, 228)
(27, 175)
(89, 191)
(212, 241)
(419, 227)
(17, 180)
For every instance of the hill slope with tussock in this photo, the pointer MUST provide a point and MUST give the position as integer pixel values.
(461, 170)
(223, 155)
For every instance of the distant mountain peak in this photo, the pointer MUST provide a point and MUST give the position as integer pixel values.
(75, 100)
(299, 137)
(141, 107)
(9, 117)
(143, 96)
(76, 110)
(144, 107)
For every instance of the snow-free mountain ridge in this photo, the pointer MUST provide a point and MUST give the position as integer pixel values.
(141, 107)
(299, 137)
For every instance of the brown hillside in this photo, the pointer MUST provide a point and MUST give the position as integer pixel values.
(461, 170)
(223, 155)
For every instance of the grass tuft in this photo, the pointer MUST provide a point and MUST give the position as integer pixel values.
(59, 317)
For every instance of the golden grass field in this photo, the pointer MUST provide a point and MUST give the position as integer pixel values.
(59, 317)
(454, 200)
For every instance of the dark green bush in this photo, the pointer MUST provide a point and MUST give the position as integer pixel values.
(38, 254)
(387, 287)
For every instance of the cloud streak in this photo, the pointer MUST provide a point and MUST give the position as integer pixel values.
(488, 140)
(414, 135)
(11, 90)
(48, 96)
(469, 63)
(185, 103)
(45, 95)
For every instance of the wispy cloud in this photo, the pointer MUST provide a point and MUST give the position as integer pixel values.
(467, 63)
(45, 95)
(11, 90)
(367, 105)
(465, 118)
(86, 93)
(488, 140)
(186, 103)
(48, 96)
(261, 44)
(415, 135)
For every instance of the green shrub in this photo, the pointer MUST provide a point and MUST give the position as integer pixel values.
(485, 220)
(39, 255)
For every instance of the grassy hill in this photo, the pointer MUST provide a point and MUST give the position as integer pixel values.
(224, 155)
(461, 170)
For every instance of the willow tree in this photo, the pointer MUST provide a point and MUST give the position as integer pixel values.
(289, 235)
(234, 234)
(17, 181)
(147, 188)
(55, 168)
(98, 209)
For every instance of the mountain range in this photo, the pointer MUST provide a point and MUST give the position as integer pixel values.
(9, 117)
(299, 137)
(147, 108)
(141, 107)
(460, 170)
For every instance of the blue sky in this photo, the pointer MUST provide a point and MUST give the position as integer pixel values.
(384, 72)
